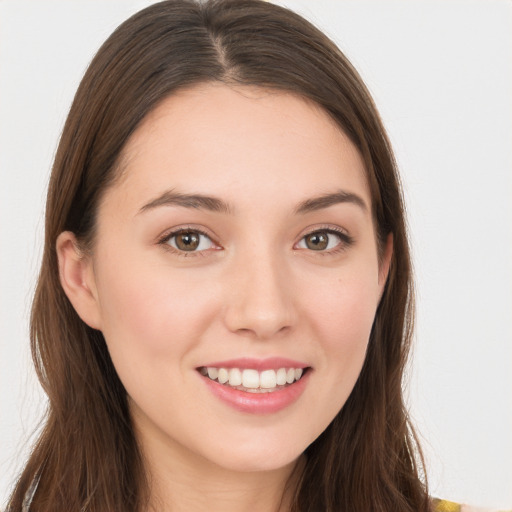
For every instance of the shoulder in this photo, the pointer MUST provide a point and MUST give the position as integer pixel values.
(450, 506)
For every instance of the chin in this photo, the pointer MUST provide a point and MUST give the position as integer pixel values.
(257, 456)
(259, 466)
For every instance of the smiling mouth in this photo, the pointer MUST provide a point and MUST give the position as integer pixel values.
(254, 381)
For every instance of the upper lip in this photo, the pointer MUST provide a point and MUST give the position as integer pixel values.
(269, 363)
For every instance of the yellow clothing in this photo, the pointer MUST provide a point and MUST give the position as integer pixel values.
(450, 506)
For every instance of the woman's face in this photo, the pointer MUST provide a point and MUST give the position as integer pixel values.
(238, 241)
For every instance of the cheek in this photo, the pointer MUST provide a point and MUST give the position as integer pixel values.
(344, 311)
(149, 313)
(342, 316)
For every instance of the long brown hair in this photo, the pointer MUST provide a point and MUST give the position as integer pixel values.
(87, 456)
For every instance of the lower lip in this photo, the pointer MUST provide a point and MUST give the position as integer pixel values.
(258, 403)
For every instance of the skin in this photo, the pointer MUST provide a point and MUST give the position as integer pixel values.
(256, 290)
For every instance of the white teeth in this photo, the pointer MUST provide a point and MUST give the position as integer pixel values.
(213, 373)
(281, 377)
(268, 379)
(252, 380)
(223, 375)
(235, 377)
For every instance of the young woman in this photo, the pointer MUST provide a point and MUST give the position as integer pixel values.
(224, 307)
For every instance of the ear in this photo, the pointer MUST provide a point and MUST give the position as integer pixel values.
(77, 279)
(385, 263)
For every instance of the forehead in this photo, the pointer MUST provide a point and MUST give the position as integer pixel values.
(240, 141)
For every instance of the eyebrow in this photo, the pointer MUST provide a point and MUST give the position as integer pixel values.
(214, 204)
(194, 201)
(326, 200)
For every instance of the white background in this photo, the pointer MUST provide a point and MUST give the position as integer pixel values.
(441, 74)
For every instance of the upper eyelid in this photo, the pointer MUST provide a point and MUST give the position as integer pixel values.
(169, 233)
(325, 227)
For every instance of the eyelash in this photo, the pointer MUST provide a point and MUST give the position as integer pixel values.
(345, 241)
(164, 241)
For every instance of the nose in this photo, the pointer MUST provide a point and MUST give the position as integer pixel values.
(261, 299)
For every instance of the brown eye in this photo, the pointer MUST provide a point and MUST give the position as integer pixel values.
(190, 241)
(317, 241)
(324, 240)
